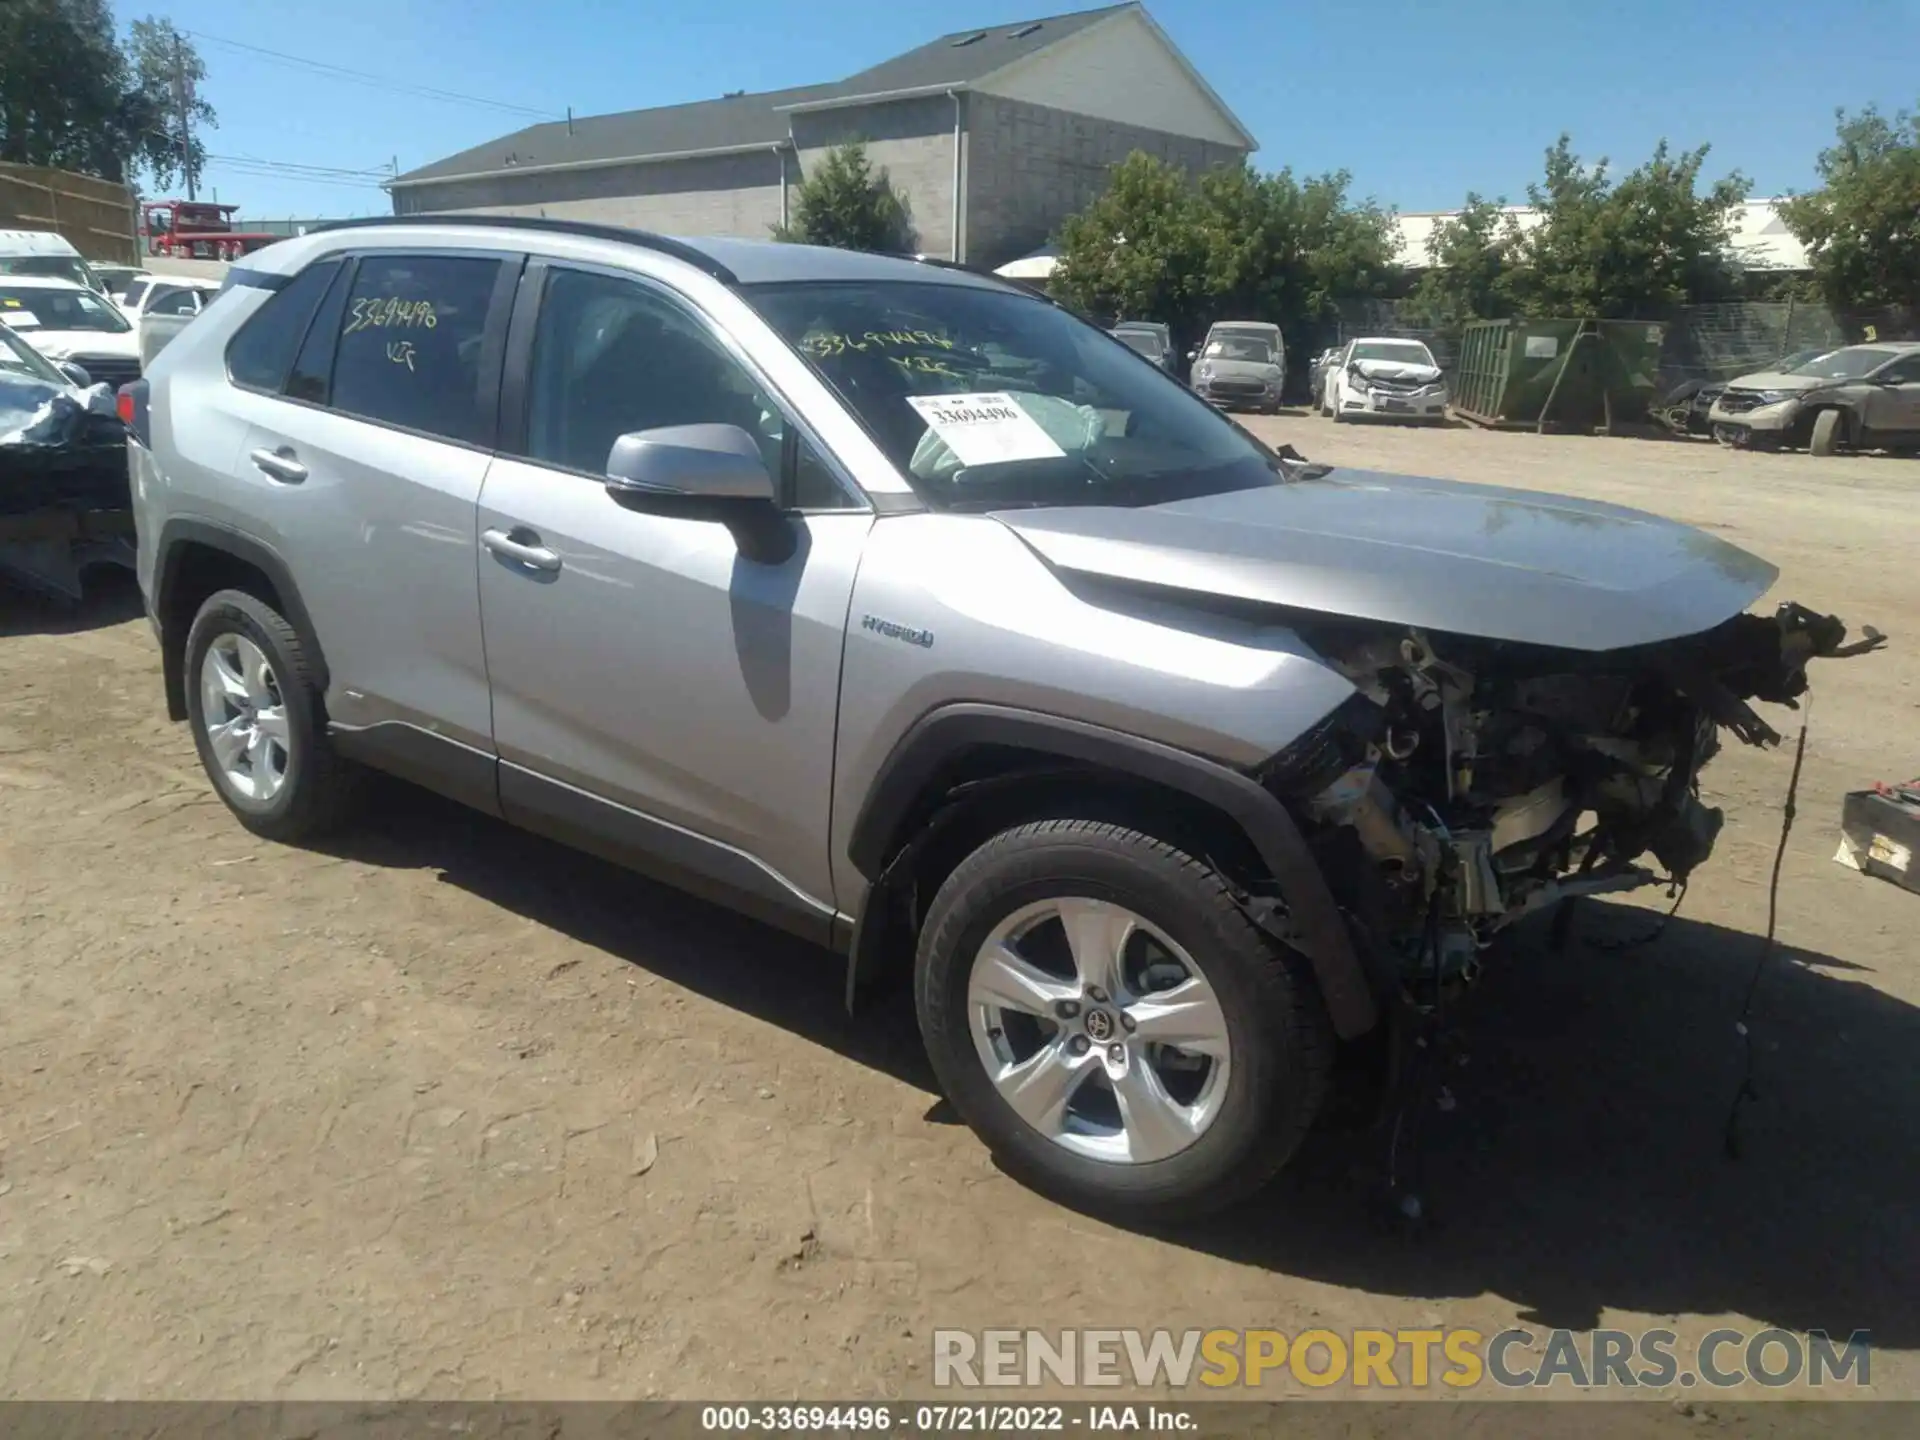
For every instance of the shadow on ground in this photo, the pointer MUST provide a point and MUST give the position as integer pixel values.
(112, 598)
(1582, 1171)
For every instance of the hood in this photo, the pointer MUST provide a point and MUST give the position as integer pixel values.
(1779, 380)
(1398, 370)
(1246, 369)
(65, 344)
(37, 414)
(1434, 554)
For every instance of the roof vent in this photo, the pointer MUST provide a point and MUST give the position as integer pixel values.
(970, 39)
(1023, 31)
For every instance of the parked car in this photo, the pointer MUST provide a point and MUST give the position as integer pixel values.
(1317, 376)
(897, 607)
(1148, 338)
(1859, 397)
(163, 305)
(116, 279)
(64, 503)
(1687, 407)
(1385, 379)
(45, 254)
(1242, 364)
(68, 322)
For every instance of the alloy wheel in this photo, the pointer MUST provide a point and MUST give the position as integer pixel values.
(245, 717)
(1098, 1030)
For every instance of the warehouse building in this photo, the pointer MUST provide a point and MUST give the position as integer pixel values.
(993, 137)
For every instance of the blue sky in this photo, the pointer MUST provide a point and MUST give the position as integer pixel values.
(1421, 100)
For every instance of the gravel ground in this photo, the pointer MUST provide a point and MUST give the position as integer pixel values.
(447, 1110)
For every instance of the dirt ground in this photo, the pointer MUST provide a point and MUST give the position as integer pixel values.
(451, 1111)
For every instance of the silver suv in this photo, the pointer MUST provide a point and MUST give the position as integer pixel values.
(898, 607)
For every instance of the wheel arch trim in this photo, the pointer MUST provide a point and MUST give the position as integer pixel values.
(945, 734)
(177, 538)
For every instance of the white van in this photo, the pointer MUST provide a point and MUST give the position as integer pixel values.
(41, 252)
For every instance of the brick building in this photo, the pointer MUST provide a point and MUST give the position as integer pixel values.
(992, 135)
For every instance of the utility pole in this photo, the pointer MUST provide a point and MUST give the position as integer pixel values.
(182, 96)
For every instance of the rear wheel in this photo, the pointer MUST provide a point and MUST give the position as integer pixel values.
(255, 707)
(1112, 1025)
(1829, 432)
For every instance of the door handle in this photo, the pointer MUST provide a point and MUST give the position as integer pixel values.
(279, 465)
(521, 546)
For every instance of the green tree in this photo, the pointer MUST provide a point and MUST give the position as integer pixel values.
(845, 202)
(1160, 245)
(1471, 258)
(1139, 250)
(1615, 250)
(163, 69)
(1862, 226)
(72, 97)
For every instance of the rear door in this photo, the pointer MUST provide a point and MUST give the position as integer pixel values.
(365, 467)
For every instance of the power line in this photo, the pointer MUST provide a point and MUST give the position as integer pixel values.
(300, 167)
(378, 82)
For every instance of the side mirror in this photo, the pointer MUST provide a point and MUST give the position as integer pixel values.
(689, 462)
(1193, 354)
(76, 373)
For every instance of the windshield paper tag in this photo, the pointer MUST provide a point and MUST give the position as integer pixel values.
(985, 429)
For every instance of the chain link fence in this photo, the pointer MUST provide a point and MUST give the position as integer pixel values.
(1706, 343)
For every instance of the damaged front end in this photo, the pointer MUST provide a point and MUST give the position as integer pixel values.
(65, 499)
(1470, 783)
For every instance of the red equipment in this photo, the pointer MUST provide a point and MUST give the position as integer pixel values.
(195, 230)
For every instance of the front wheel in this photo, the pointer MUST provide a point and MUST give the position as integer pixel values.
(1829, 432)
(1111, 1024)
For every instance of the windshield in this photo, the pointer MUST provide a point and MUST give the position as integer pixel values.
(17, 357)
(1239, 347)
(1144, 341)
(60, 267)
(1400, 352)
(1849, 364)
(63, 309)
(985, 398)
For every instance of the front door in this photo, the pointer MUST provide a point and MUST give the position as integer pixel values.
(1892, 406)
(657, 694)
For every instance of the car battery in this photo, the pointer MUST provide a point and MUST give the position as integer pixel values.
(1880, 831)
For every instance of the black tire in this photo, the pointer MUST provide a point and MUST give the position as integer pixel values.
(1829, 432)
(321, 787)
(1280, 1040)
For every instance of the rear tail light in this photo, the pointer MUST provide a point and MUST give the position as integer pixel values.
(132, 405)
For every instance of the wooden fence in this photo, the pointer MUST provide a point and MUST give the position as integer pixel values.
(97, 216)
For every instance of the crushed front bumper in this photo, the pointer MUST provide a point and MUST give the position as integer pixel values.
(1373, 403)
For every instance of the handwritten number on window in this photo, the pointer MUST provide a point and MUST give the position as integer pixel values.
(391, 313)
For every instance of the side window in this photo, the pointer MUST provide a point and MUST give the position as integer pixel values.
(259, 354)
(176, 302)
(409, 340)
(312, 375)
(611, 356)
(1903, 372)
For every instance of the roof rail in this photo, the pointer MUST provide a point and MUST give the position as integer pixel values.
(620, 234)
(943, 263)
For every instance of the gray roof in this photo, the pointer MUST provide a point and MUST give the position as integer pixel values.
(944, 62)
(740, 122)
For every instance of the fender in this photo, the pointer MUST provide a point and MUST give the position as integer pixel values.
(172, 548)
(942, 735)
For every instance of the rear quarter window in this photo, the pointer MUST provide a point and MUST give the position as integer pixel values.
(261, 352)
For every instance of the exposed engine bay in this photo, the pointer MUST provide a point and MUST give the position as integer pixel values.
(1472, 782)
